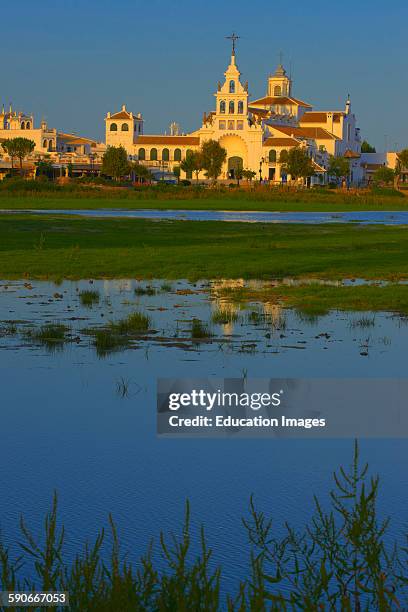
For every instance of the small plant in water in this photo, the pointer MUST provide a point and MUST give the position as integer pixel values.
(135, 323)
(199, 330)
(50, 335)
(363, 322)
(166, 287)
(122, 387)
(89, 297)
(139, 290)
(223, 317)
(107, 342)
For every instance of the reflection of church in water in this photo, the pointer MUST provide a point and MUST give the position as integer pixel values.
(254, 133)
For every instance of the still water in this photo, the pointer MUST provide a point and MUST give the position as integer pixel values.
(65, 425)
(361, 217)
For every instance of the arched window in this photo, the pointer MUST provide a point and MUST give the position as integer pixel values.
(45, 144)
(22, 125)
(283, 156)
(272, 155)
(240, 107)
(231, 107)
(188, 153)
(232, 86)
(114, 127)
(222, 106)
(153, 154)
(28, 126)
(277, 92)
(142, 154)
(177, 154)
(125, 127)
(165, 155)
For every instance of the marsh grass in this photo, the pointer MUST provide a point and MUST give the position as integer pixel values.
(122, 387)
(135, 323)
(139, 290)
(89, 297)
(363, 322)
(107, 342)
(50, 335)
(166, 287)
(200, 330)
(224, 317)
(341, 560)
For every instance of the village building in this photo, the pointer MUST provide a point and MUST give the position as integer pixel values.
(253, 132)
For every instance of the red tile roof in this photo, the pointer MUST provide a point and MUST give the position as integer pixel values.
(120, 115)
(319, 117)
(270, 100)
(280, 142)
(306, 132)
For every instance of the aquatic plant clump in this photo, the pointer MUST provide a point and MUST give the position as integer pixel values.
(224, 317)
(135, 323)
(50, 335)
(199, 330)
(89, 297)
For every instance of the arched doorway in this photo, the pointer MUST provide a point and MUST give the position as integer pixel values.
(235, 163)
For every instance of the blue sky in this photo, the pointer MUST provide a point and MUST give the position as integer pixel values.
(73, 61)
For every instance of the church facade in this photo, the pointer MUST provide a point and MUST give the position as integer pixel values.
(253, 132)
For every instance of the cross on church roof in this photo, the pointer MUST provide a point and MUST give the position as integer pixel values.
(234, 37)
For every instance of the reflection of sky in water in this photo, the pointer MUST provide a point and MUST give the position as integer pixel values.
(64, 427)
(362, 217)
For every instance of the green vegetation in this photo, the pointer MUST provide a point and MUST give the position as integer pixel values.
(50, 335)
(18, 147)
(129, 248)
(89, 297)
(367, 148)
(106, 341)
(340, 560)
(316, 299)
(139, 290)
(133, 324)
(384, 176)
(83, 194)
(297, 163)
(199, 330)
(212, 155)
(223, 317)
(115, 163)
(339, 167)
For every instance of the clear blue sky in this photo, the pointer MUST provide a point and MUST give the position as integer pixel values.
(72, 61)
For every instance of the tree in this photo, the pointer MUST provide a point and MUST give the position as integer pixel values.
(367, 148)
(402, 162)
(297, 163)
(213, 155)
(18, 147)
(384, 175)
(177, 172)
(339, 167)
(192, 163)
(141, 172)
(44, 169)
(248, 175)
(115, 162)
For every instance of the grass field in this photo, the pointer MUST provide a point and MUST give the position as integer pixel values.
(88, 248)
(203, 199)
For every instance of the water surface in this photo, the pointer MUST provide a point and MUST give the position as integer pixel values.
(65, 427)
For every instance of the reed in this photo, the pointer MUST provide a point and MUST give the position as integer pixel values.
(89, 297)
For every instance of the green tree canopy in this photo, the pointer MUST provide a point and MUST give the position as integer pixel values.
(384, 175)
(249, 175)
(44, 169)
(297, 163)
(115, 162)
(193, 162)
(339, 167)
(213, 155)
(141, 172)
(18, 147)
(367, 148)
